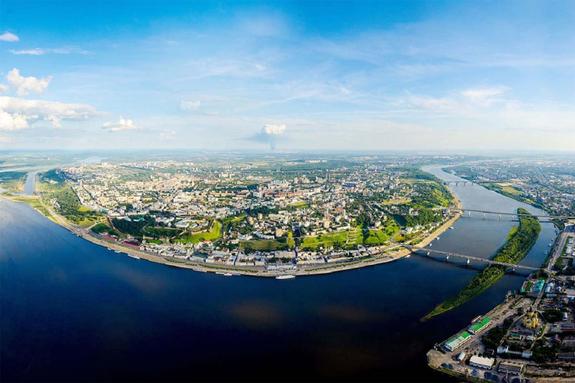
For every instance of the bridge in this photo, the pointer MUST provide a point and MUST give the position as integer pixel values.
(423, 251)
(501, 213)
(460, 183)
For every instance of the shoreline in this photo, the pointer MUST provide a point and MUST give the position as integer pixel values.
(392, 253)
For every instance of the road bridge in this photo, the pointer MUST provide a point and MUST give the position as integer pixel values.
(502, 213)
(465, 183)
(423, 251)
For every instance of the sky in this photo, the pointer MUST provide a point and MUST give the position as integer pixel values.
(287, 75)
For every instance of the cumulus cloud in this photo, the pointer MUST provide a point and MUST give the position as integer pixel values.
(190, 105)
(274, 129)
(17, 113)
(9, 37)
(3, 88)
(25, 85)
(121, 125)
(10, 121)
(269, 134)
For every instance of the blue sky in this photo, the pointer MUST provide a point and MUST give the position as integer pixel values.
(436, 75)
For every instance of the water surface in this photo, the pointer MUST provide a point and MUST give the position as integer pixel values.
(71, 310)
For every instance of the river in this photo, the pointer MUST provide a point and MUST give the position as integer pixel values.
(30, 183)
(71, 310)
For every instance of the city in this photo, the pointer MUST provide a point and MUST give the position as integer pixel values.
(275, 218)
(287, 190)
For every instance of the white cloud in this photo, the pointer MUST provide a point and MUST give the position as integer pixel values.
(122, 124)
(9, 37)
(3, 88)
(484, 95)
(45, 51)
(274, 129)
(432, 103)
(25, 85)
(14, 121)
(18, 113)
(31, 52)
(269, 134)
(190, 105)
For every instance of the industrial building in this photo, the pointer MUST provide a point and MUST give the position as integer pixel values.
(457, 341)
(480, 325)
(481, 362)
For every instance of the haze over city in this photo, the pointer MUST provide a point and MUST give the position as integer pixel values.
(289, 75)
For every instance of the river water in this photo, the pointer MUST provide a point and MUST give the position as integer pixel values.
(71, 310)
(30, 183)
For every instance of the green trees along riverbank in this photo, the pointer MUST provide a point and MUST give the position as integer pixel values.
(520, 240)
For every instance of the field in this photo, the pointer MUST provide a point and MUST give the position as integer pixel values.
(35, 203)
(298, 205)
(264, 245)
(510, 189)
(213, 234)
(342, 239)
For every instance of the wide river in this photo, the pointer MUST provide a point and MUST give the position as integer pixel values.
(71, 310)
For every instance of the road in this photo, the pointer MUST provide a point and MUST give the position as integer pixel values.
(559, 246)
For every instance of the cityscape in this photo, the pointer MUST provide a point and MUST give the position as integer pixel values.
(295, 190)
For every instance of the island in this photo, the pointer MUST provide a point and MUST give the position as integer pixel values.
(519, 241)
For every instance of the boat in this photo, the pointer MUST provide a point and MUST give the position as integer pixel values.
(133, 256)
(117, 251)
(228, 275)
(285, 277)
(408, 255)
(450, 227)
(437, 238)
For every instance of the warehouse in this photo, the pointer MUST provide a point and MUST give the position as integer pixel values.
(480, 325)
(481, 362)
(457, 340)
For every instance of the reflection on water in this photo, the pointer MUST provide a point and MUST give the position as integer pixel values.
(71, 310)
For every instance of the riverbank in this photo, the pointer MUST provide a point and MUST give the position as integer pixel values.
(387, 254)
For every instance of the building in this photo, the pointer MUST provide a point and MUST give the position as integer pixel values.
(457, 341)
(481, 362)
(511, 368)
(480, 325)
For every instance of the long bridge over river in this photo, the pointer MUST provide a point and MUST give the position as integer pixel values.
(515, 214)
(426, 251)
